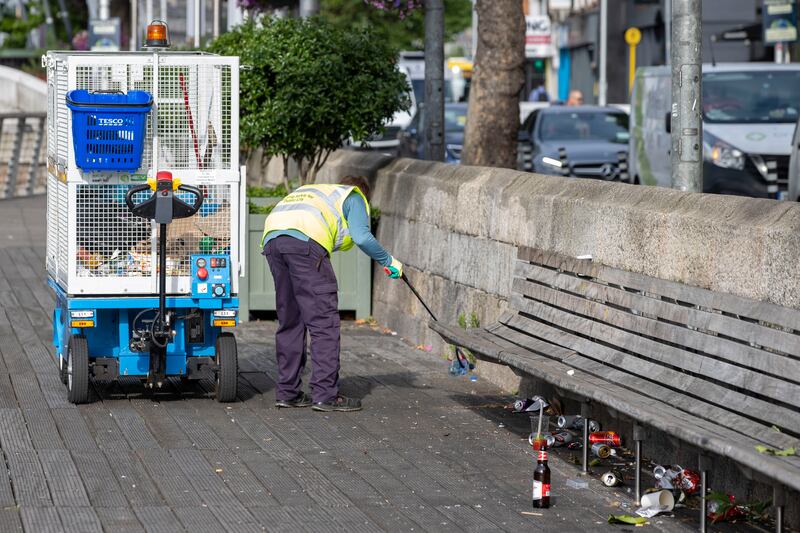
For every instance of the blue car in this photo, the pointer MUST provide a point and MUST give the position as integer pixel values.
(455, 119)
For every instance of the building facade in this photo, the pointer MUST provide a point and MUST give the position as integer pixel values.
(731, 33)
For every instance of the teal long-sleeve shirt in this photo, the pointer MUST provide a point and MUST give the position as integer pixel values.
(355, 212)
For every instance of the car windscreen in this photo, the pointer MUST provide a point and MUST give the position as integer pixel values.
(584, 126)
(751, 97)
(455, 119)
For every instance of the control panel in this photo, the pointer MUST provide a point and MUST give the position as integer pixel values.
(211, 276)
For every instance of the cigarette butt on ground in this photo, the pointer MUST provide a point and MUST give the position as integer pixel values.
(528, 513)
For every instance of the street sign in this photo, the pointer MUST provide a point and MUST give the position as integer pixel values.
(538, 39)
(633, 36)
(104, 35)
(780, 21)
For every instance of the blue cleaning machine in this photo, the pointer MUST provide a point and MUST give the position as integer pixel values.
(153, 337)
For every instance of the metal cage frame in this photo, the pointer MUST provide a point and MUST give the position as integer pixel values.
(192, 92)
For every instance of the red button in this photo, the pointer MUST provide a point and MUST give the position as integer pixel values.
(202, 273)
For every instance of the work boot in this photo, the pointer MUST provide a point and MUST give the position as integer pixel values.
(340, 403)
(302, 400)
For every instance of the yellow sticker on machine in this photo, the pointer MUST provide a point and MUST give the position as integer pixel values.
(82, 324)
(224, 323)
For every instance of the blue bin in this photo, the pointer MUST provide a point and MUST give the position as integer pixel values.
(108, 128)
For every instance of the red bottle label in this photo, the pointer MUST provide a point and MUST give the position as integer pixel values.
(541, 490)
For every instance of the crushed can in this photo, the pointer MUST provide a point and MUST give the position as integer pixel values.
(603, 451)
(577, 422)
(609, 438)
(612, 478)
(530, 404)
(558, 438)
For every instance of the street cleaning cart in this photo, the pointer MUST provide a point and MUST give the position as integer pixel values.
(145, 207)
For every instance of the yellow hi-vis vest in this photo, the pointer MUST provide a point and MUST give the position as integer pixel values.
(315, 211)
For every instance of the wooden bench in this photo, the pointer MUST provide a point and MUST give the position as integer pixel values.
(717, 371)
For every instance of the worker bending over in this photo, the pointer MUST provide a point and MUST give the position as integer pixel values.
(299, 235)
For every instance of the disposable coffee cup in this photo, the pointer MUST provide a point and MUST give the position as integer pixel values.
(662, 500)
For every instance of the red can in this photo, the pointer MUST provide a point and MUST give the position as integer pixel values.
(609, 438)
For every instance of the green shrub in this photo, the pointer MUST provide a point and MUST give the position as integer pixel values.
(307, 86)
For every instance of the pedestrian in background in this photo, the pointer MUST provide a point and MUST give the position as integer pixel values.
(575, 98)
(299, 235)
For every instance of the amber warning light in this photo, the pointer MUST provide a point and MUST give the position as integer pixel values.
(157, 35)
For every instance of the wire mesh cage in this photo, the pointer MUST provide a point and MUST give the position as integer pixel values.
(94, 245)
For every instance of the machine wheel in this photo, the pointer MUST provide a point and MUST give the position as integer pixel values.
(227, 367)
(77, 370)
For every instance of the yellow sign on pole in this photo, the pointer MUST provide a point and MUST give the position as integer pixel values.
(633, 37)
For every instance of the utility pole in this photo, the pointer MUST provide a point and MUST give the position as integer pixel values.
(434, 80)
(309, 8)
(602, 84)
(668, 31)
(687, 117)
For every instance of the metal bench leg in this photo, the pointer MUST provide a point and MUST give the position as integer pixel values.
(704, 465)
(778, 500)
(638, 437)
(586, 413)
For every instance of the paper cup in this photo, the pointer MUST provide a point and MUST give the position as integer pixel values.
(663, 500)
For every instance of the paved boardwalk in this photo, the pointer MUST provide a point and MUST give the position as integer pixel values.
(430, 452)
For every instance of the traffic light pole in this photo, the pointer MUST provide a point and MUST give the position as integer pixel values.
(687, 109)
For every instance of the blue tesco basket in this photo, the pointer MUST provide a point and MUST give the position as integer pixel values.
(108, 128)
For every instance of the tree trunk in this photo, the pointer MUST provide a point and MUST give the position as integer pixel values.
(493, 118)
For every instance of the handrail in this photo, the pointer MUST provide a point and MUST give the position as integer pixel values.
(23, 168)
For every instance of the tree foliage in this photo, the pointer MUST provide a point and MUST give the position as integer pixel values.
(407, 33)
(307, 86)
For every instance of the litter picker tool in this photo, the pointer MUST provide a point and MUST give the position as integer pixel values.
(462, 359)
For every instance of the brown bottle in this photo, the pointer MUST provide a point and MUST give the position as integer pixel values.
(541, 482)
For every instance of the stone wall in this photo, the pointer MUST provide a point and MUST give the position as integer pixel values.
(457, 228)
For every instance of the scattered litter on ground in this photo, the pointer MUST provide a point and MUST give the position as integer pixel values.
(595, 462)
(653, 503)
(570, 372)
(578, 483)
(611, 478)
(677, 477)
(626, 519)
(473, 378)
(528, 513)
(425, 347)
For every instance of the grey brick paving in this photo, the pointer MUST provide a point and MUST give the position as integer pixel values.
(427, 453)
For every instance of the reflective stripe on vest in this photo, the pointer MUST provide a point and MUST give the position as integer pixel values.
(316, 211)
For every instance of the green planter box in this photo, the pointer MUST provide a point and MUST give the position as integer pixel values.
(257, 290)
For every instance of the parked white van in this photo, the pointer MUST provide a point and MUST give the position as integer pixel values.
(749, 116)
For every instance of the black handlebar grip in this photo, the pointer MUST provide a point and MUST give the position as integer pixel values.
(131, 192)
(198, 195)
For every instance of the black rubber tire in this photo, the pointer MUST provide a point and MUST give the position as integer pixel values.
(77, 370)
(62, 372)
(227, 367)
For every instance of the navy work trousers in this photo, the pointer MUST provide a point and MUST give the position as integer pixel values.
(307, 301)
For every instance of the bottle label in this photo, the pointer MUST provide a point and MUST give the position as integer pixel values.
(541, 490)
(542, 455)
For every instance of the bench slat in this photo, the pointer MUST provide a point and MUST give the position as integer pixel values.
(614, 326)
(509, 338)
(699, 408)
(774, 414)
(753, 309)
(720, 441)
(775, 339)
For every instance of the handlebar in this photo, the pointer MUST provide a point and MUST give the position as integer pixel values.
(149, 208)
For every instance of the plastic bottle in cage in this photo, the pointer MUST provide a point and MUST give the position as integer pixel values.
(541, 482)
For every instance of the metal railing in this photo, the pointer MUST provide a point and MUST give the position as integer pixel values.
(23, 162)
